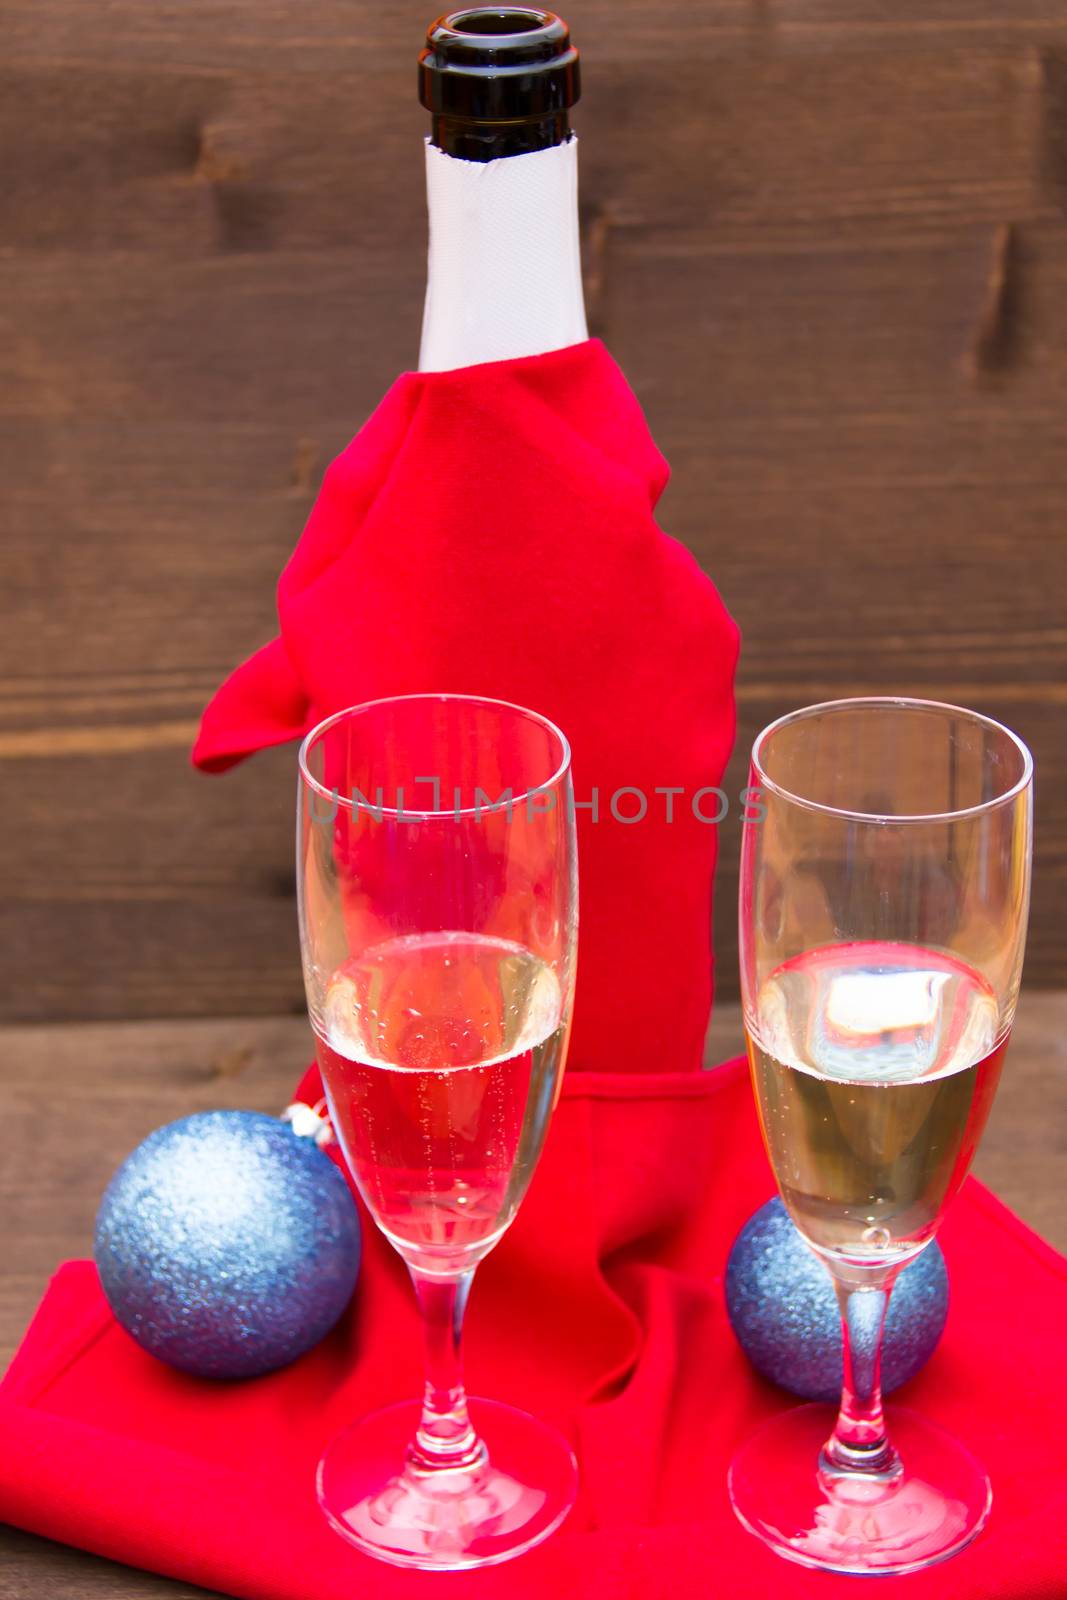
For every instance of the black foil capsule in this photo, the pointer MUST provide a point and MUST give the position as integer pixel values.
(499, 81)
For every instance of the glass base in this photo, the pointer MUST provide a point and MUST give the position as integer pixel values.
(931, 1506)
(378, 1500)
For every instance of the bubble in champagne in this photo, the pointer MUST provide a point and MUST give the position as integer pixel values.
(877, 1238)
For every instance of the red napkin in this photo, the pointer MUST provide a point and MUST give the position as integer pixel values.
(602, 1308)
(490, 531)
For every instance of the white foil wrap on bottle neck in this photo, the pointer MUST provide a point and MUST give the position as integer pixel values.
(505, 274)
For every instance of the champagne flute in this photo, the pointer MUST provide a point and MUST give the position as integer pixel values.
(438, 917)
(883, 907)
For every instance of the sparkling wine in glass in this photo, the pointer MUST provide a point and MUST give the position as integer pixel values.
(884, 897)
(443, 1052)
(438, 901)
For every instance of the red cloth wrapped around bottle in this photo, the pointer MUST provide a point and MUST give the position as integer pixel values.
(490, 531)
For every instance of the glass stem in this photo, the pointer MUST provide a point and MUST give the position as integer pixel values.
(859, 1442)
(444, 1439)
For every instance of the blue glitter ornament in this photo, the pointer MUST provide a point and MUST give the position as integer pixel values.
(783, 1309)
(228, 1242)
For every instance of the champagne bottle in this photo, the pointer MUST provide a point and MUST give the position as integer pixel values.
(504, 275)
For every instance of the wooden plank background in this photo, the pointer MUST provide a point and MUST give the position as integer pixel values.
(827, 240)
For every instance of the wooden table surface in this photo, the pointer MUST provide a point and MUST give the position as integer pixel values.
(114, 1082)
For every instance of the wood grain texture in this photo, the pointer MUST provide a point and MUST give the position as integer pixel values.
(323, 35)
(118, 1081)
(124, 157)
(828, 244)
(35, 1569)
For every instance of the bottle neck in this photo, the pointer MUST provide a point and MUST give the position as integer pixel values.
(505, 276)
(488, 141)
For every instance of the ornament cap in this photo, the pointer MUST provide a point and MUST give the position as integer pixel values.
(310, 1122)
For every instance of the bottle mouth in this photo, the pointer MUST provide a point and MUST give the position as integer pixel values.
(503, 22)
(499, 64)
